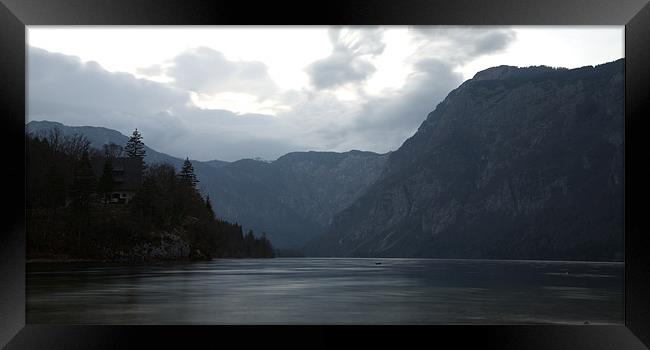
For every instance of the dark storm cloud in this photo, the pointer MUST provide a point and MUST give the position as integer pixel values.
(205, 70)
(348, 61)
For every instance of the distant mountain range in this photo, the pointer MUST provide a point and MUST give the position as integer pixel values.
(516, 163)
(99, 136)
(291, 199)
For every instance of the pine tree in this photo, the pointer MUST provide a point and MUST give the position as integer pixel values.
(135, 147)
(187, 173)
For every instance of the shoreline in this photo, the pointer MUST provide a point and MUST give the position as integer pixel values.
(80, 260)
(69, 259)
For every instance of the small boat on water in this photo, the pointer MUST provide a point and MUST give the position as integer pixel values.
(377, 263)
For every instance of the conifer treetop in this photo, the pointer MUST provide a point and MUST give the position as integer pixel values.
(135, 147)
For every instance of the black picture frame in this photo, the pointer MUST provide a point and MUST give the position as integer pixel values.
(16, 14)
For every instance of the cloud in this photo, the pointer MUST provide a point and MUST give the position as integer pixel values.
(339, 69)
(386, 122)
(377, 123)
(349, 61)
(63, 88)
(459, 45)
(207, 71)
(65, 80)
(381, 123)
(151, 71)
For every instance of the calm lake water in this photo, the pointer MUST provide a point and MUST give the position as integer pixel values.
(326, 291)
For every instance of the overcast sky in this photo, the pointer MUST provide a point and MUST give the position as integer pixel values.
(242, 92)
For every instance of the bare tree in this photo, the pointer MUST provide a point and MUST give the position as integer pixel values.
(113, 150)
(75, 145)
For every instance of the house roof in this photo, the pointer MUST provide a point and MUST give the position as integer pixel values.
(127, 172)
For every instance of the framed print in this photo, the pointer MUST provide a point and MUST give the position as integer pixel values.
(366, 173)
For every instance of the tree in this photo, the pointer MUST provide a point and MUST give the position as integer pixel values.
(208, 205)
(267, 248)
(63, 215)
(112, 150)
(76, 145)
(55, 140)
(83, 188)
(83, 182)
(187, 174)
(135, 147)
(249, 244)
(106, 182)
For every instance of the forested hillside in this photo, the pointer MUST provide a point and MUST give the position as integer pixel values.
(70, 214)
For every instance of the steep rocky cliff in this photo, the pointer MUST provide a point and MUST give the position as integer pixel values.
(516, 163)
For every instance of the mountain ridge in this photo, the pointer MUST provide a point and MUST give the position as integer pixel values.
(520, 163)
(497, 155)
(271, 197)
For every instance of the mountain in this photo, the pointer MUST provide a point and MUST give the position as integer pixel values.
(291, 199)
(216, 163)
(516, 163)
(99, 136)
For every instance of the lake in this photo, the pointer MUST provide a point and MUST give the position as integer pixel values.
(326, 291)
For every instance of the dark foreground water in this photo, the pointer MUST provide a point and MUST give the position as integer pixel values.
(326, 291)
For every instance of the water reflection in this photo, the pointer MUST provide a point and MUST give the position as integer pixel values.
(326, 291)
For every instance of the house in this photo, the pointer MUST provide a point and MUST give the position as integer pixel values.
(127, 176)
